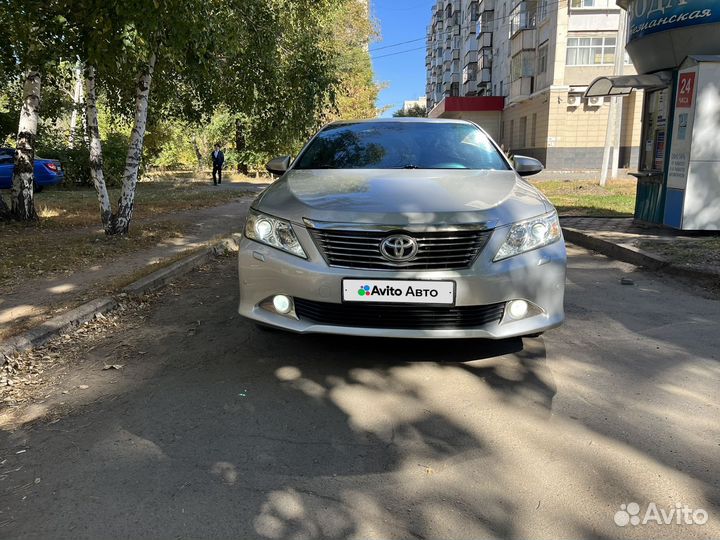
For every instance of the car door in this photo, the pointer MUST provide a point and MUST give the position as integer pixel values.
(6, 170)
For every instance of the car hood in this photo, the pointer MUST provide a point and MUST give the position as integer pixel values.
(402, 197)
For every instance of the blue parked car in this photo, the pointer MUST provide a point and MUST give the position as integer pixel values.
(48, 172)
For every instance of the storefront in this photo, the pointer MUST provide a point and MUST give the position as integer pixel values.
(675, 46)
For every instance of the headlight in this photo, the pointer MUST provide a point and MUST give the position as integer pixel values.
(530, 234)
(274, 232)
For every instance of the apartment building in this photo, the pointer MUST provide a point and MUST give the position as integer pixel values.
(413, 103)
(539, 56)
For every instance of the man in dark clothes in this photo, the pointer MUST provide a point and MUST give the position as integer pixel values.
(218, 158)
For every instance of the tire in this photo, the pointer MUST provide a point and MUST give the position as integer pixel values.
(538, 334)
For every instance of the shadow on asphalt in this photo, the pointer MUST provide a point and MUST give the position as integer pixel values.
(219, 429)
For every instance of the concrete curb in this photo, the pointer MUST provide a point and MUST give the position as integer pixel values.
(630, 254)
(621, 252)
(57, 325)
(49, 329)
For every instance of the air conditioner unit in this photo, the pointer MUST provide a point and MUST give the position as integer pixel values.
(597, 101)
(574, 100)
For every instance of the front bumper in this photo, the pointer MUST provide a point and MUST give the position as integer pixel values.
(537, 276)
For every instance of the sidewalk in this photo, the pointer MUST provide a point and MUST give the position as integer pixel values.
(35, 301)
(693, 254)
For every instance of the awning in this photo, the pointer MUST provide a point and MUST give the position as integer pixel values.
(623, 85)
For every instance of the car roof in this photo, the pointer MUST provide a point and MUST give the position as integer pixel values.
(403, 120)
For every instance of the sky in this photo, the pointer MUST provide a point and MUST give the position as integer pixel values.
(402, 72)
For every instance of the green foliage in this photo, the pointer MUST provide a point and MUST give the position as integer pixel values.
(279, 67)
(416, 111)
(356, 90)
(53, 144)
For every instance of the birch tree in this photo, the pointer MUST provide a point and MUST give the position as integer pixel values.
(121, 223)
(23, 206)
(96, 157)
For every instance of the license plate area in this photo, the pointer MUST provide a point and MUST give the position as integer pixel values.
(399, 291)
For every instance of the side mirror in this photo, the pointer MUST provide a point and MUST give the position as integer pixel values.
(278, 165)
(527, 166)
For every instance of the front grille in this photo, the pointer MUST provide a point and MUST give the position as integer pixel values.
(437, 250)
(406, 316)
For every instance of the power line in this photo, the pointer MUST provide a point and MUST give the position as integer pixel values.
(398, 52)
(555, 3)
(397, 44)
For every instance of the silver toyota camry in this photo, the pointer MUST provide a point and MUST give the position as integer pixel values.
(408, 228)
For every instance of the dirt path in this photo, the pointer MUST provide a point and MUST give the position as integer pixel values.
(38, 299)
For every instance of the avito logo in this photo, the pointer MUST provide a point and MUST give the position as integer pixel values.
(364, 290)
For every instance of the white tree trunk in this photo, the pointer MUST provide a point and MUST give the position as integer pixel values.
(4, 210)
(96, 157)
(23, 206)
(77, 101)
(132, 161)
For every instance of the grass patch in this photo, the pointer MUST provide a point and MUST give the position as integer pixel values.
(71, 208)
(587, 198)
(28, 252)
(686, 251)
(69, 235)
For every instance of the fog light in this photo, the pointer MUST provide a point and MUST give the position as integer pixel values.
(282, 304)
(517, 309)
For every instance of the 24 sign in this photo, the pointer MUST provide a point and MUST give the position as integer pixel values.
(686, 90)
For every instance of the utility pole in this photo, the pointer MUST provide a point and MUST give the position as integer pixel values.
(614, 127)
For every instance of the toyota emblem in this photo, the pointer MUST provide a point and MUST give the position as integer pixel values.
(399, 248)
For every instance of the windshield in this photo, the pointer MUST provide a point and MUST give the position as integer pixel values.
(401, 145)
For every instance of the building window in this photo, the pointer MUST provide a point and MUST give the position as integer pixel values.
(591, 51)
(470, 72)
(521, 18)
(543, 9)
(473, 11)
(523, 132)
(454, 89)
(578, 4)
(542, 59)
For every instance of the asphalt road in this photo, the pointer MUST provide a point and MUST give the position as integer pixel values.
(214, 428)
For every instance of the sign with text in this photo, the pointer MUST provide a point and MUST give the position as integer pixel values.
(681, 142)
(650, 16)
(686, 90)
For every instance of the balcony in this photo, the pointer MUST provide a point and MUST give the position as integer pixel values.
(452, 20)
(486, 5)
(522, 87)
(523, 17)
(523, 40)
(485, 40)
(483, 89)
(485, 59)
(469, 73)
(450, 77)
(485, 75)
(469, 88)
